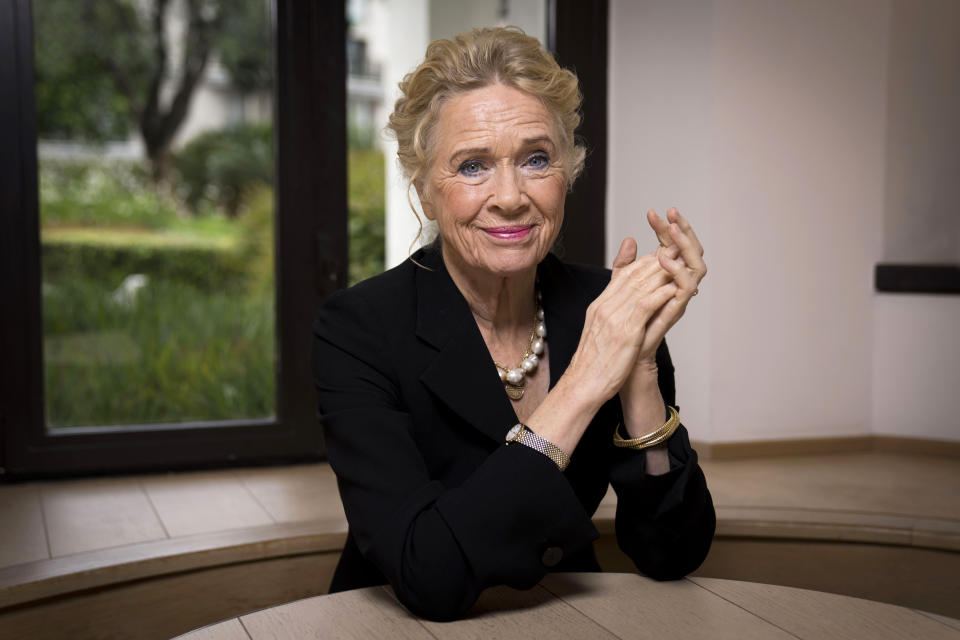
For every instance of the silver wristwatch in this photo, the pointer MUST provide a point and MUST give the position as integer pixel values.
(521, 433)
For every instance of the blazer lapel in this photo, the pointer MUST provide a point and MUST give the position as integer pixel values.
(462, 374)
(565, 304)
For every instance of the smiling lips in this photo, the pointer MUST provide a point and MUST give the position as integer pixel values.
(509, 233)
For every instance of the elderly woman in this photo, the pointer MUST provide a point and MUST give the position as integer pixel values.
(478, 399)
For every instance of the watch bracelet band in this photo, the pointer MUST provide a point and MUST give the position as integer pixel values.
(652, 439)
(525, 436)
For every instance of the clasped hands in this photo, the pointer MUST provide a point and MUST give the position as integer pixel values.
(646, 296)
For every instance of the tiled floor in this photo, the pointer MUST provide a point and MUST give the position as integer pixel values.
(53, 519)
(869, 482)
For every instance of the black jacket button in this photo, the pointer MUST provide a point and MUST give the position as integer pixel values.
(552, 556)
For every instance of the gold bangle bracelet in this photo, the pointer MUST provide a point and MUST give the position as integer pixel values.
(658, 436)
(666, 427)
(651, 439)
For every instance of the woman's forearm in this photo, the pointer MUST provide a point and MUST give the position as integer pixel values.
(565, 413)
(643, 407)
(644, 412)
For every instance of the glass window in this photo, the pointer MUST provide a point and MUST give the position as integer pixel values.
(156, 162)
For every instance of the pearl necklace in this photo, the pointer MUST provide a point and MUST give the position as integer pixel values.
(514, 378)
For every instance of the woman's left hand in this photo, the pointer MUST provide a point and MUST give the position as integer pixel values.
(687, 269)
(640, 394)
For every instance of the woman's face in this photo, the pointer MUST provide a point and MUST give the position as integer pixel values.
(496, 183)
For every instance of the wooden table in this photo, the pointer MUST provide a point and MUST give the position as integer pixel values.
(597, 606)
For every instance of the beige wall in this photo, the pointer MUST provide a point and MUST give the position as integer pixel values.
(922, 213)
(766, 122)
(916, 381)
(916, 366)
(660, 153)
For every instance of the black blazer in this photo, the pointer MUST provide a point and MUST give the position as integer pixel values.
(414, 417)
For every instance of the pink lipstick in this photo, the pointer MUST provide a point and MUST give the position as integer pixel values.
(509, 233)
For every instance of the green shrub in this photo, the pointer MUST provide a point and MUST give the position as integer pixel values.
(101, 193)
(359, 137)
(219, 168)
(176, 353)
(111, 255)
(257, 246)
(366, 224)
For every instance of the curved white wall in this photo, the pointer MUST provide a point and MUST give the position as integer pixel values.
(766, 123)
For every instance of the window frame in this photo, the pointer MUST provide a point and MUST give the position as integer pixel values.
(311, 239)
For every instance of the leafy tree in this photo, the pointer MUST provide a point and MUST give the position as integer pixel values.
(81, 48)
(244, 46)
(159, 122)
(103, 65)
(220, 168)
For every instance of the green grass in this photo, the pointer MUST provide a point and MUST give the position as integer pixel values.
(174, 238)
(173, 353)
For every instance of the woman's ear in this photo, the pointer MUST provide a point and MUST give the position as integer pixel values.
(424, 198)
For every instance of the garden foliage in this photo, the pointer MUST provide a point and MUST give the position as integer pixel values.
(157, 309)
(153, 313)
(218, 168)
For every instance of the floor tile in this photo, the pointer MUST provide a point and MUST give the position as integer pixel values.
(83, 515)
(22, 536)
(190, 503)
(291, 494)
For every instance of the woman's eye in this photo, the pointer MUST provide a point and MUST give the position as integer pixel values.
(471, 168)
(538, 160)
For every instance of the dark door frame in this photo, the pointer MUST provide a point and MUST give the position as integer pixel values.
(577, 35)
(311, 237)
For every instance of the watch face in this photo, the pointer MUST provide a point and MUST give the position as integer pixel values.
(514, 432)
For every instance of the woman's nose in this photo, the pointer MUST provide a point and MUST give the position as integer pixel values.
(508, 190)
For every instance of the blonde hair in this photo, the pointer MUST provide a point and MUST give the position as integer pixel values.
(475, 59)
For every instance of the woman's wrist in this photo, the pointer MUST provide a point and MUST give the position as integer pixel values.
(643, 406)
(588, 380)
(564, 414)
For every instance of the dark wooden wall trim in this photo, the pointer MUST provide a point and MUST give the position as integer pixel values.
(917, 278)
(577, 35)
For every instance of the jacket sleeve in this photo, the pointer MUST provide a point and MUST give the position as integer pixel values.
(664, 523)
(438, 546)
